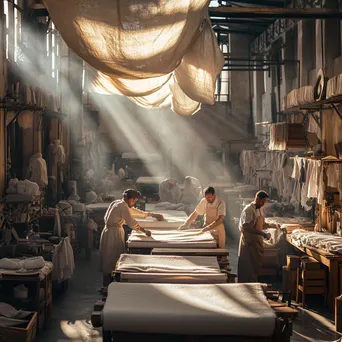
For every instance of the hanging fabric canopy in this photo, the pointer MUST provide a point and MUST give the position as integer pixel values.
(153, 51)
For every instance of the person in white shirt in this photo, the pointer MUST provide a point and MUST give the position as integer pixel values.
(251, 248)
(214, 210)
(112, 242)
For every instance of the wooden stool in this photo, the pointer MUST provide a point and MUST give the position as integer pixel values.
(311, 282)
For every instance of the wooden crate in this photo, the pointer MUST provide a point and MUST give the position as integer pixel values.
(25, 334)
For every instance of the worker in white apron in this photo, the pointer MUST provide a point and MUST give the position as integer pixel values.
(214, 210)
(112, 242)
(251, 248)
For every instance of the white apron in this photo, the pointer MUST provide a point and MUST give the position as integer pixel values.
(210, 217)
(251, 252)
(112, 245)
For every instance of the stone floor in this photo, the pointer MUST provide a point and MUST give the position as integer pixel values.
(71, 312)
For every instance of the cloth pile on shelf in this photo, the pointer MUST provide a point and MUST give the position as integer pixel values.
(27, 265)
(330, 243)
(10, 317)
(38, 170)
(278, 136)
(334, 86)
(299, 97)
(25, 187)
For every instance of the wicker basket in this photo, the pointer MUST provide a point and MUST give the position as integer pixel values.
(14, 334)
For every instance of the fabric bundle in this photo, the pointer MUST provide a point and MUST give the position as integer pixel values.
(278, 136)
(326, 241)
(153, 52)
(38, 170)
(301, 96)
(167, 264)
(334, 86)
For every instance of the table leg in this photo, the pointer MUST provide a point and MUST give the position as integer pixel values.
(333, 284)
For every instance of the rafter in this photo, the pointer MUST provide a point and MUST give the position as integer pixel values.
(268, 12)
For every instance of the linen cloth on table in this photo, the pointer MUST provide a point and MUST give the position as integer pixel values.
(201, 309)
(167, 264)
(168, 238)
(176, 278)
(330, 243)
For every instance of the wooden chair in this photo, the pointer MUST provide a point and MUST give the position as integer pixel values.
(311, 282)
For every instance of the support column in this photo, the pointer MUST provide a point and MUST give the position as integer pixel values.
(2, 94)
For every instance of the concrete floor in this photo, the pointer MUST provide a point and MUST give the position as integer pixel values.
(71, 312)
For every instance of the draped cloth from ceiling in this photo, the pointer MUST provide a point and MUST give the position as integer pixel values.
(155, 52)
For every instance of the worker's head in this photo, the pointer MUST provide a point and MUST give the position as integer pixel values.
(131, 196)
(209, 194)
(261, 198)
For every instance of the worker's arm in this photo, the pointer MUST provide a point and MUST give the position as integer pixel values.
(126, 214)
(192, 218)
(143, 214)
(247, 228)
(213, 225)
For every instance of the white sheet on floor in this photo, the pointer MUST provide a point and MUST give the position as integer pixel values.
(175, 278)
(188, 309)
(167, 264)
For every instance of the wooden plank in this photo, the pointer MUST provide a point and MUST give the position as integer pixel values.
(268, 12)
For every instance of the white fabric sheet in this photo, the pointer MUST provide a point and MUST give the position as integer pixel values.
(172, 239)
(167, 264)
(191, 238)
(175, 278)
(221, 309)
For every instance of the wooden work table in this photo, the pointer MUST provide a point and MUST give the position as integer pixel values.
(331, 261)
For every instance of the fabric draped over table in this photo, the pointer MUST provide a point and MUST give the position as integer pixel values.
(155, 53)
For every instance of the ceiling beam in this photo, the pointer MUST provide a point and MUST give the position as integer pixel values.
(236, 31)
(261, 2)
(267, 12)
(228, 21)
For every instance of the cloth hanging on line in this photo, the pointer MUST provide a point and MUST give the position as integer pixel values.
(38, 170)
(153, 52)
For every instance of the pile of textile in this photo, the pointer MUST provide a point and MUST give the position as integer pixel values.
(278, 136)
(10, 317)
(27, 265)
(334, 86)
(330, 243)
(300, 96)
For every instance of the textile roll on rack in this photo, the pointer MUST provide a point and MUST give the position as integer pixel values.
(300, 96)
(334, 86)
